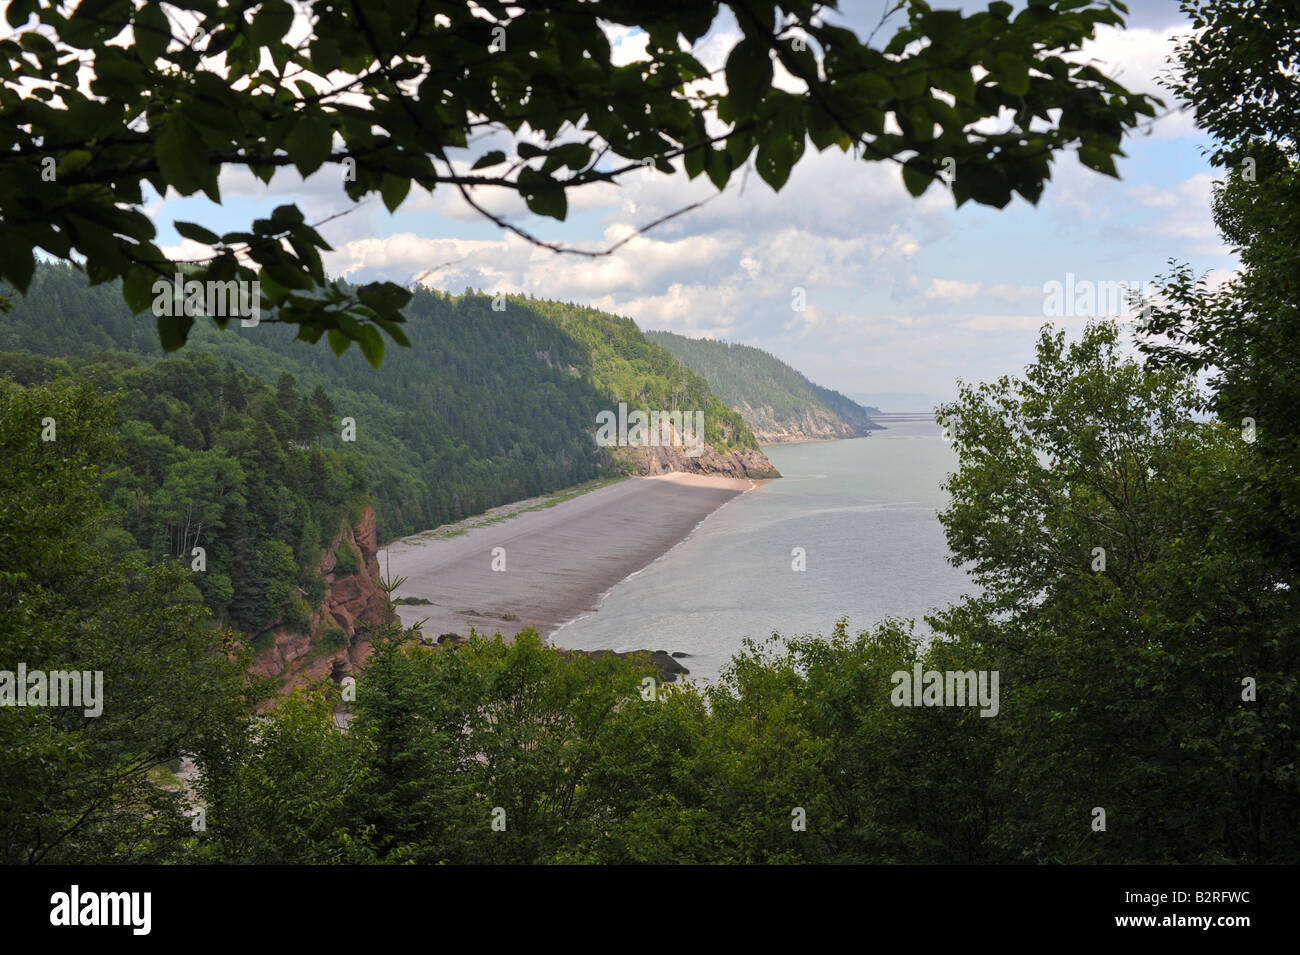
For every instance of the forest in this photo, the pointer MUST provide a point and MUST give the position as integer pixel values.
(744, 376)
(485, 407)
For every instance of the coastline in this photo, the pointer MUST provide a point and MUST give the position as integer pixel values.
(554, 564)
(786, 444)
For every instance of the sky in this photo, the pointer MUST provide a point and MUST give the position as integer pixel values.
(903, 296)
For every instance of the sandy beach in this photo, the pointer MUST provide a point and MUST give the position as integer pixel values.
(557, 561)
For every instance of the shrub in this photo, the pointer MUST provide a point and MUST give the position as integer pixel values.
(347, 560)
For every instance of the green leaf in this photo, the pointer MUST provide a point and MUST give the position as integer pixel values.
(192, 230)
(718, 167)
(776, 157)
(372, 345)
(1012, 73)
(182, 156)
(153, 32)
(310, 142)
(915, 178)
(271, 23)
(19, 11)
(945, 27)
(1095, 157)
(493, 158)
(173, 330)
(17, 264)
(694, 159)
(137, 288)
(338, 341)
(393, 189)
(912, 84)
(749, 77)
(543, 195)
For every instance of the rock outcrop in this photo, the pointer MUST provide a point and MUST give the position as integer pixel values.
(810, 424)
(669, 669)
(649, 461)
(353, 603)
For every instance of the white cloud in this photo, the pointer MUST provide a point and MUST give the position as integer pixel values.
(948, 290)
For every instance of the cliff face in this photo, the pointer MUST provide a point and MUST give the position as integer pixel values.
(351, 601)
(812, 424)
(663, 459)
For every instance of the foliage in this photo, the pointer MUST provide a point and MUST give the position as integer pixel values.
(629, 367)
(486, 407)
(211, 459)
(1239, 74)
(77, 788)
(173, 98)
(346, 559)
(1124, 609)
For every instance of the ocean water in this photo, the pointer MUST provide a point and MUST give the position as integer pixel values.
(865, 513)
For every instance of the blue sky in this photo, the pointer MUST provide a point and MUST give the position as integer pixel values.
(903, 295)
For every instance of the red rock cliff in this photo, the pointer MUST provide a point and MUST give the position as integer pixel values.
(350, 601)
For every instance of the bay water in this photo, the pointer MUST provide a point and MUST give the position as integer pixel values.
(864, 512)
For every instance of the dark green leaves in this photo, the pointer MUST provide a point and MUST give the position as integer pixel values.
(916, 178)
(182, 157)
(173, 330)
(16, 260)
(310, 142)
(1098, 158)
(493, 158)
(192, 230)
(152, 32)
(544, 196)
(394, 190)
(749, 74)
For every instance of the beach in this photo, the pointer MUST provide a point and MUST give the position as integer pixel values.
(552, 563)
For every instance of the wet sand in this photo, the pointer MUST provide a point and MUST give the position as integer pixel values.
(558, 561)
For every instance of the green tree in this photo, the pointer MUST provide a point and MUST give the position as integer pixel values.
(192, 500)
(562, 750)
(1239, 75)
(281, 785)
(77, 788)
(1124, 611)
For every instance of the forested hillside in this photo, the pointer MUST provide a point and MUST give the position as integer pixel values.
(776, 401)
(486, 406)
(207, 457)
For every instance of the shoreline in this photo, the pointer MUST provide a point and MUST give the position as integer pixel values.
(553, 564)
(753, 485)
(786, 444)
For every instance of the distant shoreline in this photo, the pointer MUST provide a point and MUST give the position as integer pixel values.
(786, 444)
(559, 560)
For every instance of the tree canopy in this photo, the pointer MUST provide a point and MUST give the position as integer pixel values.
(105, 97)
(1239, 73)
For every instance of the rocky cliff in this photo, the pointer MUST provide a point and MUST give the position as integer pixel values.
(663, 459)
(352, 603)
(810, 424)
(778, 403)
